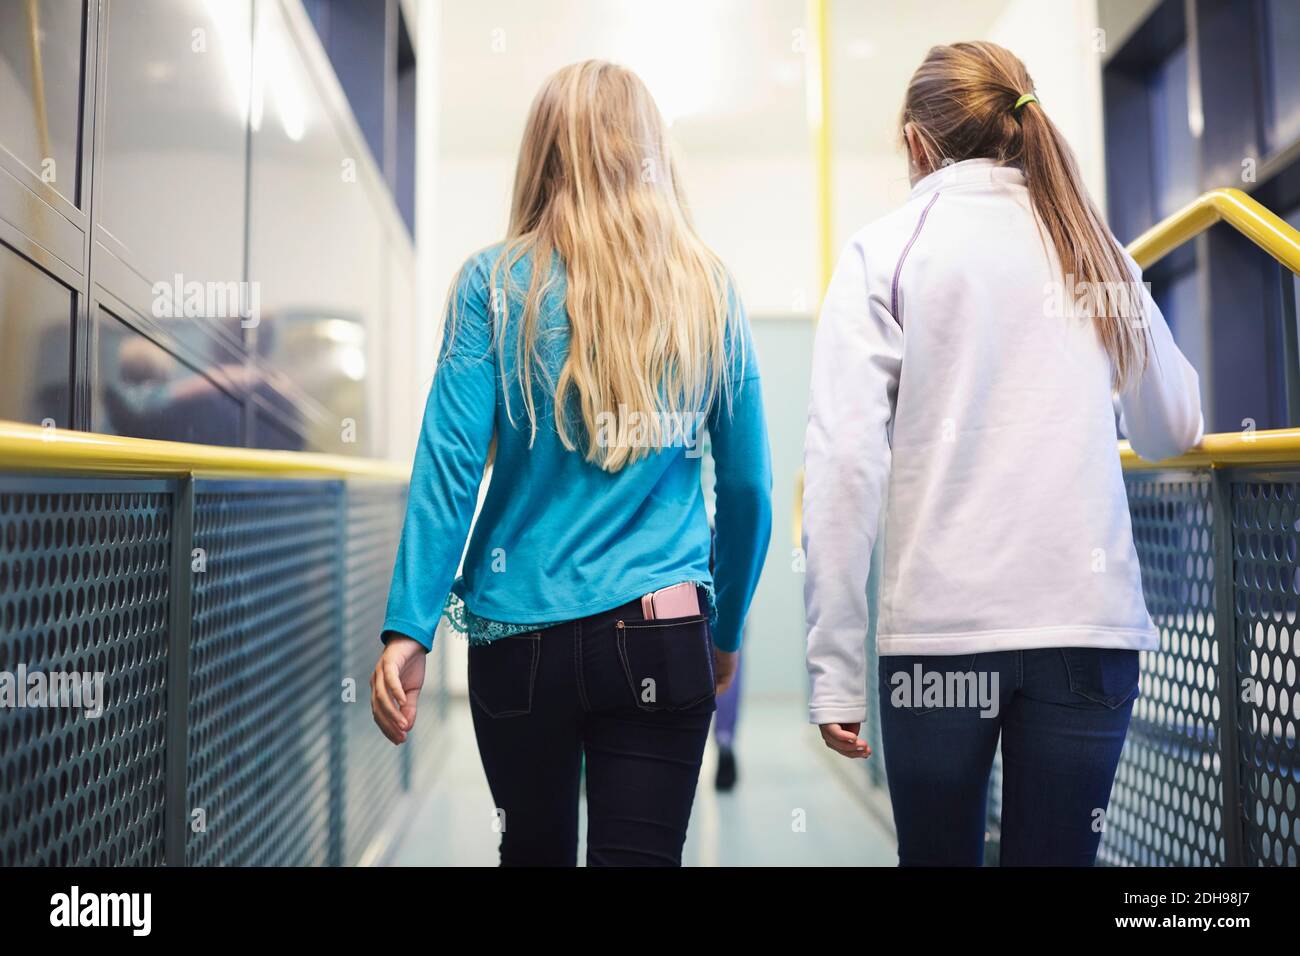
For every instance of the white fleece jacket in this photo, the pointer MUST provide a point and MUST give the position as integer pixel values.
(949, 382)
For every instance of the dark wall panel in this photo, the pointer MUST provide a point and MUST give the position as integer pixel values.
(1229, 46)
(1245, 336)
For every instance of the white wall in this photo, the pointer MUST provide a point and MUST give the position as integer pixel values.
(1054, 38)
(756, 212)
(1063, 54)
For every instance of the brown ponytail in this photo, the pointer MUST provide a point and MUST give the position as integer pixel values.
(961, 102)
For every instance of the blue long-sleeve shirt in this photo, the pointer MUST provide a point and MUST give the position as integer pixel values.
(558, 538)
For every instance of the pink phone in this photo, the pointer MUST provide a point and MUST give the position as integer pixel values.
(679, 600)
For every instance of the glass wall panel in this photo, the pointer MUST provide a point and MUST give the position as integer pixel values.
(175, 138)
(35, 343)
(316, 246)
(40, 87)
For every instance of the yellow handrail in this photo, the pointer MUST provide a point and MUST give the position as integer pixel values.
(1281, 241)
(33, 448)
(1232, 206)
(1274, 447)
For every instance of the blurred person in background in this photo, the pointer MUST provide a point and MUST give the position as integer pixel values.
(724, 730)
(728, 713)
(724, 734)
(585, 355)
(946, 383)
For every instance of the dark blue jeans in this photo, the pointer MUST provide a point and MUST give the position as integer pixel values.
(1062, 714)
(635, 697)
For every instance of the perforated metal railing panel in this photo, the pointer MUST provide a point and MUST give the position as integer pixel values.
(1167, 804)
(288, 590)
(228, 735)
(84, 590)
(372, 766)
(1266, 590)
(993, 825)
(264, 673)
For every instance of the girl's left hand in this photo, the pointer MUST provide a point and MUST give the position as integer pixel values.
(844, 740)
(724, 669)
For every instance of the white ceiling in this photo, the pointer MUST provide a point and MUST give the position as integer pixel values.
(728, 73)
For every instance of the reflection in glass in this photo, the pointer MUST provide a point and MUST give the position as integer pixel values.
(35, 344)
(316, 250)
(146, 392)
(324, 354)
(270, 433)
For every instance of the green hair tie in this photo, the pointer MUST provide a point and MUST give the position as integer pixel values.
(1026, 98)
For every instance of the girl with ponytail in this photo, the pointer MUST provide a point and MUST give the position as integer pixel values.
(972, 349)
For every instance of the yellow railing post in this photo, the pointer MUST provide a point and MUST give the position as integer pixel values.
(818, 90)
(1281, 241)
(819, 123)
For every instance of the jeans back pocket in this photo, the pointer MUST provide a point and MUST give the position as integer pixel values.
(502, 673)
(1103, 675)
(669, 663)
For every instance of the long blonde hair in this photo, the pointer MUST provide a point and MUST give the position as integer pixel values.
(650, 308)
(962, 103)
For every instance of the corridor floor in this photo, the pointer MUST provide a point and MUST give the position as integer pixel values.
(790, 808)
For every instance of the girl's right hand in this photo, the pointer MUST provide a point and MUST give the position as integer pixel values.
(844, 740)
(395, 687)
